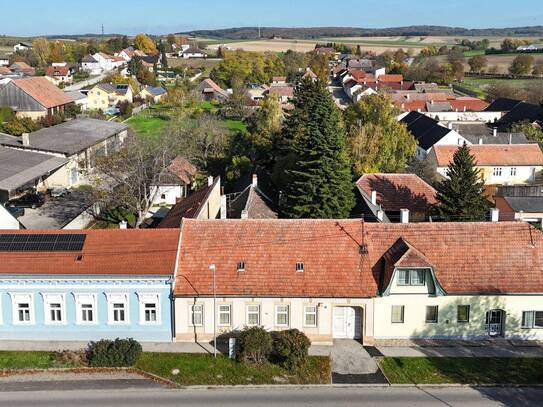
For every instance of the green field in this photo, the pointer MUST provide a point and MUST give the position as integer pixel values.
(479, 85)
(441, 370)
(146, 125)
(203, 369)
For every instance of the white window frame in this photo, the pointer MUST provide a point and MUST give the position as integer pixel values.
(277, 313)
(149, 298)
(118, 298)
(22, 298)
(431, 321)
(229, 313)
(531, 323)
(410, 280)
(315, 312)
(300, 267)
(247, 313)
(48, 300)
(402, 314)
(192, 312)
(497, 171)
(85, 299)
(513, 171)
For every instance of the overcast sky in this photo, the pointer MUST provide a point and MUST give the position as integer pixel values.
(38, 17)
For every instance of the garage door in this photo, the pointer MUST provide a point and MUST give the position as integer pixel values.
(347, 322)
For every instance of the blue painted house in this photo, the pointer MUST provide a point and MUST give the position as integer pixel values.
(87, 285)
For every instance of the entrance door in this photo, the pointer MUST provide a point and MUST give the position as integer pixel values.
(347, 322)
(495, 322)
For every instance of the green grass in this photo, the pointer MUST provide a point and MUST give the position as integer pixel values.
(474, 52)
(463, 370)
(145, 124)
(203, 369)
(30, 360)
(235, 125)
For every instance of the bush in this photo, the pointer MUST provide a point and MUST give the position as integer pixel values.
(292, 347)
(117, 353)
(254, 344)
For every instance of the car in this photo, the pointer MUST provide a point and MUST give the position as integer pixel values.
(15, 212)
(30, 200)
(58, 192)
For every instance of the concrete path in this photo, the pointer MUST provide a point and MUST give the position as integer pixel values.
(316, 397)
(350, 357)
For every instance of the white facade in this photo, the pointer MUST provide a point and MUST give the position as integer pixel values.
(452, 138)
(503, 175)
(7, 221)
(486, 117)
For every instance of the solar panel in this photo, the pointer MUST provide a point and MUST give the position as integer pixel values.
(42, 242)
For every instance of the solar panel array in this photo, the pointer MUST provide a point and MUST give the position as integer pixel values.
(42, 242)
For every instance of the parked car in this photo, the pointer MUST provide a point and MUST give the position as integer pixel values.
(15, 212)
(30, 200)
(58, 192)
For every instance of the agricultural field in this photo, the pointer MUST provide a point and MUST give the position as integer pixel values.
(501, 62)
(480, 85)
(270, 45)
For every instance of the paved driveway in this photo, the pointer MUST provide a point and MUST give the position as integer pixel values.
(351, 363)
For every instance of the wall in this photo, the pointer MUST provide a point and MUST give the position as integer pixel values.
(414, 325)
(6, 220)
(523, 175)
(212, 207)
(73, 331)
(322, 334)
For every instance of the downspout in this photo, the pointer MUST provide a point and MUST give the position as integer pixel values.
(176, 268)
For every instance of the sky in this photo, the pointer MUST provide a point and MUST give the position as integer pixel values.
(38, 17)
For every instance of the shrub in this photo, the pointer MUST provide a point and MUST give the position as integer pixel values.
(117, 353)
(292, 347)
(254, 344)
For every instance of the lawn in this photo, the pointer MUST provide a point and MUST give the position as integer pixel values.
(235, 125)
(30, 360)
(463, 370)
(145, 124)
(203, 369)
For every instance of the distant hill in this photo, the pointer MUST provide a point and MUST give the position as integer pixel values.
(245, 33)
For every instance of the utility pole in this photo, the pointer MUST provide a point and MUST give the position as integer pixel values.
(213, 268)
(102, 32)
(259, 33)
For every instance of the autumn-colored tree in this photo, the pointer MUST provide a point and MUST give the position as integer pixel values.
(145, 44)
(477, 63)
(522, 65)
(42, 51)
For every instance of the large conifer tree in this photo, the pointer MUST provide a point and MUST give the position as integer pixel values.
(319, 181)
(461, 196)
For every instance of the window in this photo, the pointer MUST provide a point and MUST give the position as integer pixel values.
(118, 308)
(432, 314)
(281, 315)
(23, 313)
(224, 315)
(532, 319)
(397, 314)
(85, 309)
(53, 305)
(197, 315)
(241, 266)
(149, 308)
(411, 277)
(497, 172)
(310, 316)
(462, 313)
(299, 267)
(513, 171)
(253, 315)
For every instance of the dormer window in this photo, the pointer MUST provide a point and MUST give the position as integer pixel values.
(411, 277)
(299, 267)
(241, 266)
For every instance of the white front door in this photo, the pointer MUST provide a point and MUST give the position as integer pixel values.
(346, 322)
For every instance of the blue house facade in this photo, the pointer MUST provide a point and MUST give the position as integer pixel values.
(110, 286)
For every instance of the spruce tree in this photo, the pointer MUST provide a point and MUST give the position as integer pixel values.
(319, 181)
(461, 196)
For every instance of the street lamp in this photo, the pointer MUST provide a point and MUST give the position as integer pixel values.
(212, 267)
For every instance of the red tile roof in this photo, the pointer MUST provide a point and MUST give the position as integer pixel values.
(105, 252)
(4, 70)
(390, 78)
(398, 191)
(469, 104)
(183, 169)
(344, 258)
(43, 91)
(57, 71)
(494, 154)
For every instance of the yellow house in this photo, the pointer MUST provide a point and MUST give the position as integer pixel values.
(105, 95)
(156, 94)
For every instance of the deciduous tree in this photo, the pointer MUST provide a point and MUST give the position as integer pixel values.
(145, 44)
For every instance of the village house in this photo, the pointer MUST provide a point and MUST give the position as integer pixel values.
(22, 68)
(22, 46)
(91, 65)
(128, 53)
(175, 183)
(209, 90)
(252, 202)
(87, 285)
(34, 97)
(79, 141)
(193, 52)
(498, 164)
(156, 94)
(396, 198)
(59, 75)
(4, 60)
(105, 95)
(520, 203)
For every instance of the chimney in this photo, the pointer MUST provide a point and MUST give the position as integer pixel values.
(404, 215)
(123, 225)
(25, 138)
(407, 96)
(374, 197)
(209, 181)
(494, 214)
(450, 126)
(255, 181)
(510, 138)
(464, 109)
(244, 214)
(495, 131)
(480, 140)
(380, 215)
(223, 207)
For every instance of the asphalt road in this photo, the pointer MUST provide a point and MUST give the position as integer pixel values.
(323, 396)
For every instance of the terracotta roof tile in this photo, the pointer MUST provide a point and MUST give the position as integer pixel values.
(110, 251)
(398, 191)
(43, 91)
(494, 154)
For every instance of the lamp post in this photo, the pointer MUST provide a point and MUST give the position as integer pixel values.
(213, 268)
